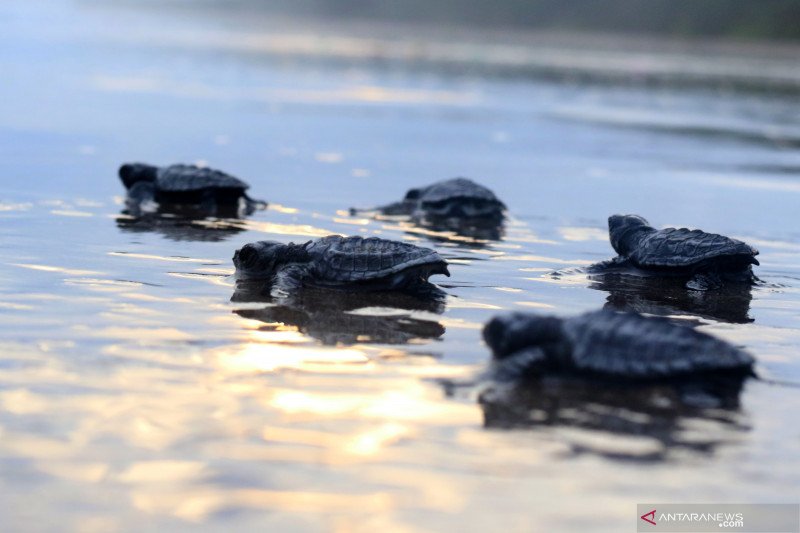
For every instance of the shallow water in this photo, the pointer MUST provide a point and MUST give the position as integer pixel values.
(135, 395)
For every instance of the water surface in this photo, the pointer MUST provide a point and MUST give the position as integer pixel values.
(137, 395)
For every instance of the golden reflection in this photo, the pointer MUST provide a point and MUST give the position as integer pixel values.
(22, 402)
(103, 285)
(372, 441)
(564, 279)
(579, 233)
(15, 306)
(544, 259)
(408, 228)
(507, 289)
(359, 93)
(460, 323)
(364, 443)
(257, 357)
(301, 230)
(411, 402)
(538, 305)
(84, 472)
(71, 213)
(175, 358)
(7, 206)
(163, 472)
(171, 258)
(196, 504)
(282, 209)
(153, 298)
(49, 268)
(460, 303)
(352, 221)
(214, 279)
(134, 333)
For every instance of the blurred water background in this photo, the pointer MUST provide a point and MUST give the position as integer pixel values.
(136, 396)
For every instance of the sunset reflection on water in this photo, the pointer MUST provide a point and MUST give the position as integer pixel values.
(140, 392)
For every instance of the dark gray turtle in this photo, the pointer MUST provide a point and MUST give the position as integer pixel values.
(351, 263)
(707, 259)
(605, 343)
(459, 198)
(211, 191)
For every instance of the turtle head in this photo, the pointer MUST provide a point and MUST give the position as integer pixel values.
(624, 231)
(133, 173)
(258, 260)
(262, 259)
(413, 195)
(507, 335)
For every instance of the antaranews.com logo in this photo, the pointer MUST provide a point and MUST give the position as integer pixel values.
(726, 520)
(700, 518)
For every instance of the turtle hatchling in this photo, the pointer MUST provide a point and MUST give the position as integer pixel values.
(608, 344)
(453, 198)
(211, 191)
(349, 263)
(706, 259)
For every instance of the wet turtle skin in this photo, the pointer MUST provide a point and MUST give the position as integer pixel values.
(209, 189)
(350, 263)
(706, 259)
(453, 198)
(624, 346)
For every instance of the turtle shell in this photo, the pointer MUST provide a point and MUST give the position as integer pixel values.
(355, 259)
(190, 178)
(457, 188)
(684, 248)
(632, 346)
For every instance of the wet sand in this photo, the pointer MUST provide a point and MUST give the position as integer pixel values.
(137, 394)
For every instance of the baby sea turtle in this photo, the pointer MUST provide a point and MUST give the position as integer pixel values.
(350, 263)
(453, 198)
(707, 259)
(211, 191)
(604, 343)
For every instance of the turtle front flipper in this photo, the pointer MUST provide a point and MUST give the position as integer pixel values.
(527, 362)
(704, 282)
(289, 279)
(609, 265)
(141, 199)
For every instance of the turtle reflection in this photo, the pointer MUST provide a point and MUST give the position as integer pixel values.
(667, 296)
(340, 318)
(182, 225)
(472, 231)
(650, 420)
